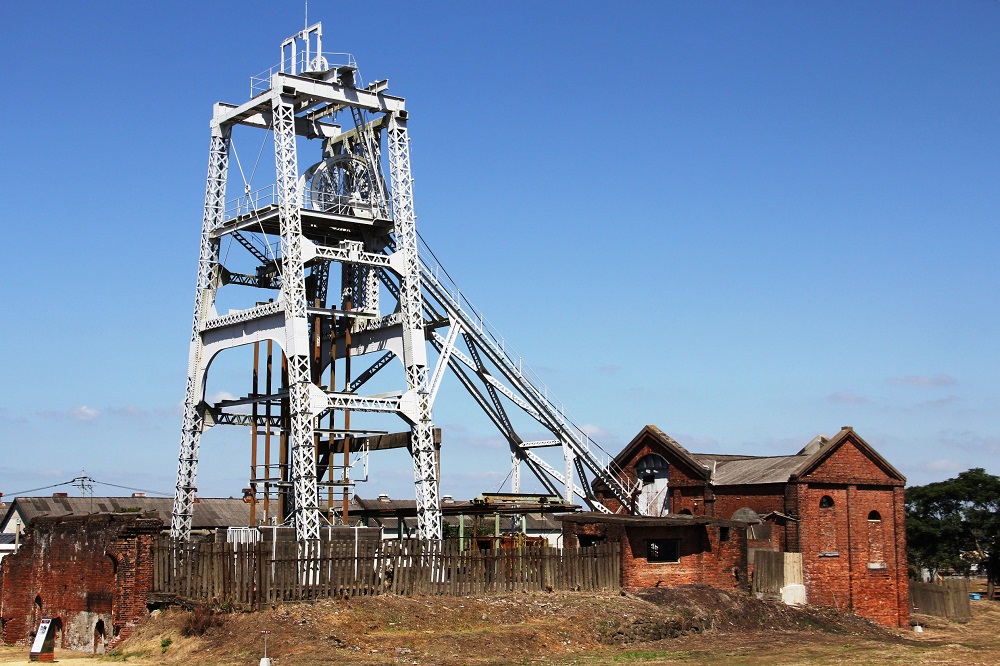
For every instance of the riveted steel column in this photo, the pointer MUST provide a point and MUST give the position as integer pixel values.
(425, 472)
(293, 300)
(204, 302)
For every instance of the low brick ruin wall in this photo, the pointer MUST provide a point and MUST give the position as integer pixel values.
(92, 574)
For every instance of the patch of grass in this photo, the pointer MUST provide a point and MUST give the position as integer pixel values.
(638, 656)
(165, 643)
(120, 655)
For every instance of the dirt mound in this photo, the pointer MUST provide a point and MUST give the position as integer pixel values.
(516, 628)
(726, 612)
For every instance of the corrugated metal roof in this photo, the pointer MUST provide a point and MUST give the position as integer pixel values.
(749, 470)
(209, 512)
(670, 520)
(534, 522)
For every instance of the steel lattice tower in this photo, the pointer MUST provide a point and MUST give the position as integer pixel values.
(351, 209)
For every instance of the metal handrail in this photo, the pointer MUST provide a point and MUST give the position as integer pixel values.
(488, 333)
(318, 62)
(251, 202)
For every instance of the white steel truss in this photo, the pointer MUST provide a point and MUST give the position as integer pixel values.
(349, 209)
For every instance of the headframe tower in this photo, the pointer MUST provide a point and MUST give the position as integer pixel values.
(353, 208)
(340, 211)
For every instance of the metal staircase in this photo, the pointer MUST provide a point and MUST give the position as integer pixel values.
(523, 389)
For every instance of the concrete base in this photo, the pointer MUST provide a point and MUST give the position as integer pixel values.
(793, 595)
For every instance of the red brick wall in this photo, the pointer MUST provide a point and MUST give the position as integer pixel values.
(687, 498)
(843, 535)
(704, 559)
(85, 570)
(849, 561)
(761, 498)
(686, 491)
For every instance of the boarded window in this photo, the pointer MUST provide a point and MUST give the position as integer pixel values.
(827, 528)
(653, 498)
(876, 546)
(663, 550)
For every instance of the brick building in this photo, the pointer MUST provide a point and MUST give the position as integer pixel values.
(90, 573)
(837, 501)
(667, 550)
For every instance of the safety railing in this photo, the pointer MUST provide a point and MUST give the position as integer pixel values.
(442, 284)
(251, 202)
(303, 62)
(259, 199)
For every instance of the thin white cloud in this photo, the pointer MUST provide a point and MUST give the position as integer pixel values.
(610, 369)
(923, 380)
(83, 413)
(847, 398)
(973, 442)
(595, 432)
(943, 466)
(218, 396)
(940, 402)
(128, 412)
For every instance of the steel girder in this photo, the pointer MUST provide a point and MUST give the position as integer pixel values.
(204, 306)
(294, 107)
(532, 400)
(293, 299)
(425, 474)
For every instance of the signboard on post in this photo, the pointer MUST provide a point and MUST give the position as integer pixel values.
(265, 661)
(43, 647)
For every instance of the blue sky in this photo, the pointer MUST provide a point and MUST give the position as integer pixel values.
(746, 223)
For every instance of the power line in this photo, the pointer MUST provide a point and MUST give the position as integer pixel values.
(103, 483)
(137, 490)
(34, 490)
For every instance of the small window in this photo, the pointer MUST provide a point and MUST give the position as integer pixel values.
(663, 550)
(875, 516)
(723, 534)
(590, 541)
(648, 478)
(826, 502)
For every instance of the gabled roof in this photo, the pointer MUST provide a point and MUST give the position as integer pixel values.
(209, 513)
(677, 452)
(727, 470)
(737, 470)
(846, 434)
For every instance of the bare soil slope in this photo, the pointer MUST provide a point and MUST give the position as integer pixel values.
(693, 625)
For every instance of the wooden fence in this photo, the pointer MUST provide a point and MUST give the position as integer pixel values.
(948, 598)
(253, 575)
(773, 570)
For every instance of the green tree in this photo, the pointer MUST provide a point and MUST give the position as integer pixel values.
(955, 524)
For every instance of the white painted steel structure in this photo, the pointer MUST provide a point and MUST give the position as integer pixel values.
(351, 209)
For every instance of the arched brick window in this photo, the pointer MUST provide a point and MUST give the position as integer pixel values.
(653, 472)
(876, 541)
(828, 546)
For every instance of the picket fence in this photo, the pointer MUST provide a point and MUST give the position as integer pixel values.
(263, 573)
(948, 597)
